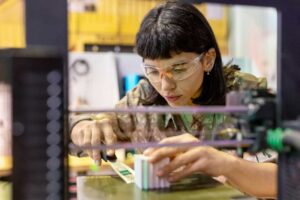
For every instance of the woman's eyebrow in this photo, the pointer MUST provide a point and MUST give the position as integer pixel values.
(178, 63)
(148, 65)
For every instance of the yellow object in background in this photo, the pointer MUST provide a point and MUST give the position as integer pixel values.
(131, 16)
(12, 26)
(88, 164)
(5, 163)
(116, 22)
(113, 22)
(80, 162)
(218, 18)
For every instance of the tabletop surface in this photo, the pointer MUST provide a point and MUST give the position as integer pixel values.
(196, 187)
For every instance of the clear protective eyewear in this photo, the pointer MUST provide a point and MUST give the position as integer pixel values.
(176, 72)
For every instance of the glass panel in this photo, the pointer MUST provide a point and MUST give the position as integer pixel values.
(105, 68)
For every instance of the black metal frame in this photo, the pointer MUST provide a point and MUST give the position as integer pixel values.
(35, 79)
(47, 26)
(46, 23)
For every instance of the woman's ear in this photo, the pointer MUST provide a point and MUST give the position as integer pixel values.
(209, 60)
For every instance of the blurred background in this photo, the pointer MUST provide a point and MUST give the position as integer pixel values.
(248, 35)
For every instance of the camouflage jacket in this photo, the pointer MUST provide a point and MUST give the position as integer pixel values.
(153, 127)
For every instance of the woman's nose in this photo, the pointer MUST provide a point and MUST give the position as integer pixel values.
(167, 82)
(166, 73)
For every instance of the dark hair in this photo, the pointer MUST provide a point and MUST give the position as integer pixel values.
(180, 27)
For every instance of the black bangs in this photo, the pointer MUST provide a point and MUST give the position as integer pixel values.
(154, 44)
(165, 32)
(160, 43)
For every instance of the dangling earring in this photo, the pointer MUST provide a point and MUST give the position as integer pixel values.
(212, 65)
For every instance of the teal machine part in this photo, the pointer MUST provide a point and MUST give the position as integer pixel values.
(130, 81)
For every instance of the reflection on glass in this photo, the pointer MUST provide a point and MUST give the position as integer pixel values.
(253, 40)
(5, 140)
(5, 127)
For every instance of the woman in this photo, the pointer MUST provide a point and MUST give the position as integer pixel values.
(183, 67)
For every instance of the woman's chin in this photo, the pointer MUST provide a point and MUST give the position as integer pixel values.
(179, 104)
(173, 105)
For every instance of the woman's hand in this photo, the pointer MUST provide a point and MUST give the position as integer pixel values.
(188, 160)
(87, 133)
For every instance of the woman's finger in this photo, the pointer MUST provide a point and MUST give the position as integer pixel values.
(109, 136)
(96, 140)
(162, 153)
(149, 151)
(87, 138)
(180, 160)
(186, 171)
(78, 137)
(184, 138)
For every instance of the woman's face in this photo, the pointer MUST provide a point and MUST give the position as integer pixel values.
(170, 85)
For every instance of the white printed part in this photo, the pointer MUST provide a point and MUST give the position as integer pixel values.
(124, 171)
(141, 171)
(165, 183)
(145, 173)
(138, 179)
(156, 178)
(161, 180)
(151, 176)
(138, 168)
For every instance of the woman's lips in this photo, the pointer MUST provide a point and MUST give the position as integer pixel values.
(172, 98)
